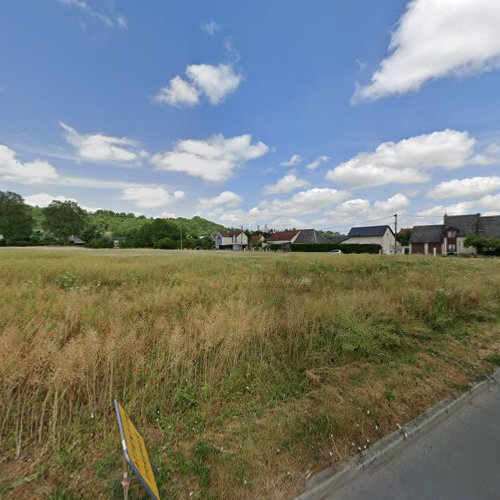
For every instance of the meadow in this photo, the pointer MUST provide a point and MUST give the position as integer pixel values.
(246, 372)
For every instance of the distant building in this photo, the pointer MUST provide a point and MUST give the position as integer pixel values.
(236, 240)
(118, 240)
(256, 239)
(377, 235)
(449, 237)
(75, 240)
(297, 237)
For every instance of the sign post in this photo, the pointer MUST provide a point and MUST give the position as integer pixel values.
(135, 453)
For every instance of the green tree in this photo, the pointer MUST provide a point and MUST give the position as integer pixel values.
(483, 244)
(16, 221)
(64, 219)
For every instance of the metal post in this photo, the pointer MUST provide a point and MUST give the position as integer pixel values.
(241, 238)
(125, 479)
(395, 232)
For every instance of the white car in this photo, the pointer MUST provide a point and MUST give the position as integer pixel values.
(336, 251)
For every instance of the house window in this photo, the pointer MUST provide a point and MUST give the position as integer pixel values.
(452, 247)
(452, 233)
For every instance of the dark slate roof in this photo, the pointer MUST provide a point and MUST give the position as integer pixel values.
(489, 226)
(427, 234)
(338, 239)
(466, 224)
(370, 231)
(311, 236)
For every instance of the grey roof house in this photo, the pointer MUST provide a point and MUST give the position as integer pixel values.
(379, 235)
(449, 237)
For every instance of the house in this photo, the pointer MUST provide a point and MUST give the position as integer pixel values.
(75, 240)
(449, 237)
(377, 235)
(235, 240)
(297, 237)
(256, 240)
(117, 240)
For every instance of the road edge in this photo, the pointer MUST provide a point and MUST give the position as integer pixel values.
(330, 481)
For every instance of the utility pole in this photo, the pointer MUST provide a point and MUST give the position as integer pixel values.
(241, 238)
(395, 232)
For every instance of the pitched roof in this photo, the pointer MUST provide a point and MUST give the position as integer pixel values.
(230, 234)
(465, 224)
(311, 236)
(489, 226)
(369, 231)
(338, 239)
(256, 238)
(283, 235)
(427, 234)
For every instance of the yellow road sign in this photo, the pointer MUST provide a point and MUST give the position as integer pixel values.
(134, 449)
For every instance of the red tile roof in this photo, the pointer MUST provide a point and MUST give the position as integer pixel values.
(283, 235)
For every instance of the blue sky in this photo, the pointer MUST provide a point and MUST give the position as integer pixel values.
(286, 113)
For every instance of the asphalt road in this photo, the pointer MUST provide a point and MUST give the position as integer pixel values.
(457, 460)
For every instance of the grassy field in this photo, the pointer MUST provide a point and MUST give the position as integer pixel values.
(246, 372)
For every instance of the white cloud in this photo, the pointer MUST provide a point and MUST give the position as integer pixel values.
(214, 159)
(178, 93)
(211, 27)
(356, 211)
(44, 200)
(227, 198)
(150, 197)
(83, 5)
(392, 204)
(98, 147)
(461, 208)
(32, 172)
(288, 183)
(406, 161)
(215, 82)
(434, 39)
(317, 162)
(312, 201)
(491, 202)
(294, 160)
(465, 188)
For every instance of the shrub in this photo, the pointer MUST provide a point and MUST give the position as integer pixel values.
(100, 243)
(166, 244)
(345, 247)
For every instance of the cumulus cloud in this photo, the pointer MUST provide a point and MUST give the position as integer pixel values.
(435, 39)
(178, 93)
(288, 183)
(98, 147)
(31, 172)
(407, 161)
(311, 201)
(211, 27)
(317, 162)
(150, 197)
(356, 210)
(213, 159)
(83, 5)
(491, 202)
(44, 200)
(294, 160)
(214, 82)
(461, 208)
(465, 188)
(226, 198)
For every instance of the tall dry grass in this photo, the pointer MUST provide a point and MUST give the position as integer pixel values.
(171, 332)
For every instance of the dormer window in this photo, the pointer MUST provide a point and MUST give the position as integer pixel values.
(452, 233)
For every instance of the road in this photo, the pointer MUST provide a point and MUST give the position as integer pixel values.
(459, 459)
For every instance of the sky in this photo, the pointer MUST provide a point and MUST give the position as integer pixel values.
(282, 113)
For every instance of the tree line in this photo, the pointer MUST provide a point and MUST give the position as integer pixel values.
(56, 224)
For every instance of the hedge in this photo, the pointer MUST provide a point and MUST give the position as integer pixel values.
(328, 247)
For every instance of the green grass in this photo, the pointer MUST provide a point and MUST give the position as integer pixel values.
(243, 370)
